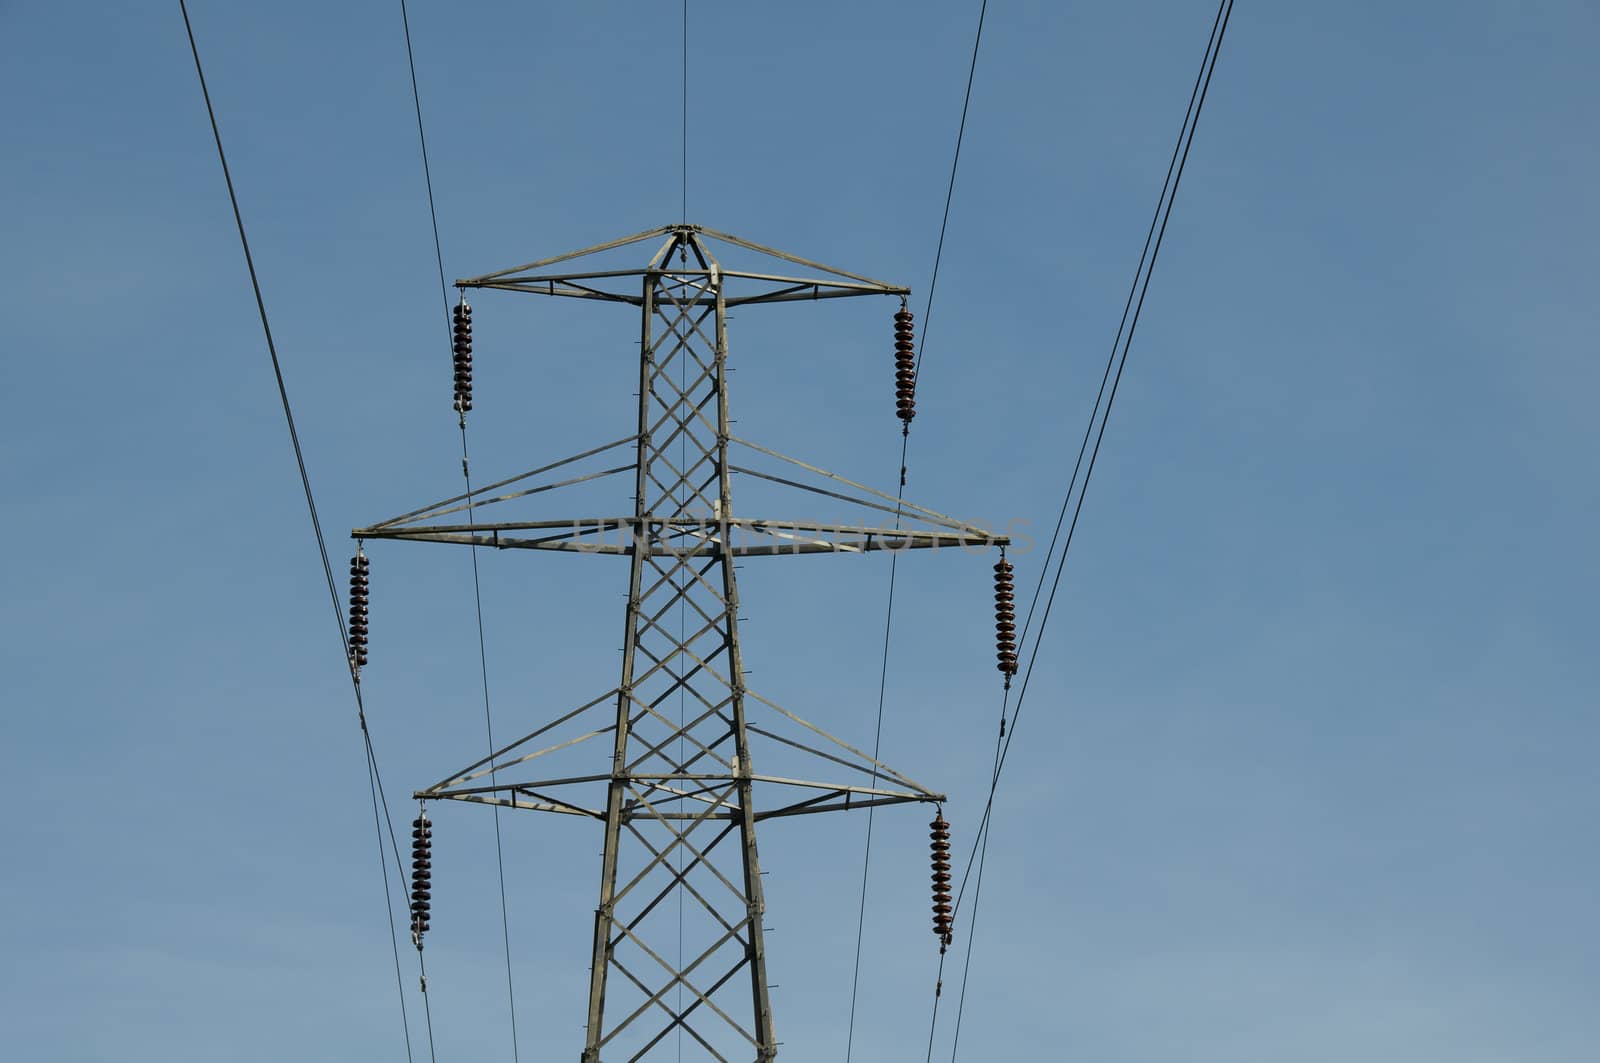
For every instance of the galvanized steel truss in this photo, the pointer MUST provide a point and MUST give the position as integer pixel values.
(678, 799)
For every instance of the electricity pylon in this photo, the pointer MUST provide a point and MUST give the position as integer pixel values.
(680, 908)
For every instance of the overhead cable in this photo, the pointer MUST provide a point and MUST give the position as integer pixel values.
(888, 622)
(374, 779)
(1121, 344)
(477, 593)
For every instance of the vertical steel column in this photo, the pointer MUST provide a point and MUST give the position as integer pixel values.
(766, 1043)
(600, 961)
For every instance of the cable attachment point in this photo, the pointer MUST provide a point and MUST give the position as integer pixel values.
(461, 349)
(905, 366)
(421, 876)
(1005, 619)
(944, 919)
(357, 647)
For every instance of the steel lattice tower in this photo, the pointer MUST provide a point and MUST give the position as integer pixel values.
(682, 795)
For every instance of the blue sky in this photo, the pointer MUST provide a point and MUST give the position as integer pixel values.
(1306, 772)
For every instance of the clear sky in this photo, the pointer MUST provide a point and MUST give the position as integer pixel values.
(1308, 770)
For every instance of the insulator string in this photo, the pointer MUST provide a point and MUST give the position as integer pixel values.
(1005, 619)
(421, 876)
(943, 913)
(357, 636)
(461, 355)
(905, 366)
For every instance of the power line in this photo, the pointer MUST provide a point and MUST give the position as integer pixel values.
(982, 849)
(877, 752)
(374, 780)
(894, 559)
(944, 223)
(488, 725)
(684, 157)
(388, 901)
(477, 592)
(427, 1008)
(427, 175)
(1093, 419)
(1138, 290)
(938, 992)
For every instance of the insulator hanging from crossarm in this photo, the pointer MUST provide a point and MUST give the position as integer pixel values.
(905, 366)
(421, 875)
(1005, 619)
(461, 351)
(358, 609)
(944, 917)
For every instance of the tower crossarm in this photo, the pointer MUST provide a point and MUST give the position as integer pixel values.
(771, 288)
(686, 537)
(495, 779)
(706, 274)
(821, 796)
